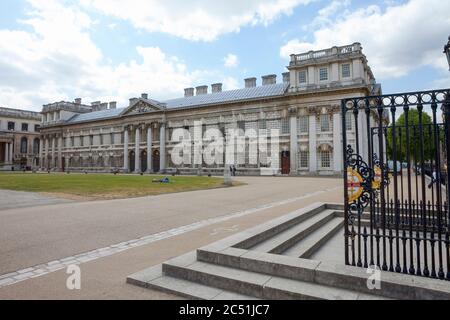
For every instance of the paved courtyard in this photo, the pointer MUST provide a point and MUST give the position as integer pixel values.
(17, 199)
(112, 239)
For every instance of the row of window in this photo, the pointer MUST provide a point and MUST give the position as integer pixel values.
(48, 117)
(324, 159)
(24, 127)
(324, 73)
(302, 124)
(24, 145)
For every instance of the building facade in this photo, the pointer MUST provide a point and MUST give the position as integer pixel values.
(305, 107)
(19, 139)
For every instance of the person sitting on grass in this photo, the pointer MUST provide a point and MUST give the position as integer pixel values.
(163, 180)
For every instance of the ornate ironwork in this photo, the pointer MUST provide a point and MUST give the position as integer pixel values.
(381, 173)
(361, 178)
(396, 181)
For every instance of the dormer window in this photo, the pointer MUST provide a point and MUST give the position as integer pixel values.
(11, 126)
(346, 70)
(302, 78)
(323, 74)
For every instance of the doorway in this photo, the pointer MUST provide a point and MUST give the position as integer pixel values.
(132, 161)
(285, 162)
(144, 161)
(156, 164)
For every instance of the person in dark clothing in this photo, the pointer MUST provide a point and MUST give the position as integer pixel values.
(433, 180)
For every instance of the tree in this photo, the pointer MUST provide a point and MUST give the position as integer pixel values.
(414, 137)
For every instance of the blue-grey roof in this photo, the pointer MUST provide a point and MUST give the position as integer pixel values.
(97, 115)
(266, 91)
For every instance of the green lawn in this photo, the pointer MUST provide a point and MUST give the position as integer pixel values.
(103, 186)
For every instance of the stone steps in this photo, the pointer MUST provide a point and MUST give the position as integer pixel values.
(244, 266)
(279, 225)
(306, 247)
(246, 283)
(153, 278)
(286, 239)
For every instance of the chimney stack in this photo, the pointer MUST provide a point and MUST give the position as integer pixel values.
(216, 87)
(286, 77)
(103, 106)
(250, 82)
(113, 105)
(201, 90)
(78, 101)
(144, 96)
(189, 92)
(133, 101)
(269, 79)
(95, 105)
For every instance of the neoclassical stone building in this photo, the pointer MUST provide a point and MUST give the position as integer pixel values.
(305, 107)
(19, 139)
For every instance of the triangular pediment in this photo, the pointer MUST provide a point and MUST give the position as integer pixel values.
(142, 106)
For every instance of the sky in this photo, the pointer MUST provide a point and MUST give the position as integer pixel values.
(113, 50)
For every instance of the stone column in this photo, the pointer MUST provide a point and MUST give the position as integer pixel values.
(11, 158)
(162, 147)
(294, 144)
(312, 144)
(337, 143)
(60, 164)
(149, 149)
(53, 152)
(137, 149)
(6, 152)
(47, 152)
(125, 150)
(41, 154)
(362, 135)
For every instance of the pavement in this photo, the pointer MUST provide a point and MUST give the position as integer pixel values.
(160, 227)
(17, 199)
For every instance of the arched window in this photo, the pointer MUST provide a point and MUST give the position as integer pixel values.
(36, 146)
(24, 145)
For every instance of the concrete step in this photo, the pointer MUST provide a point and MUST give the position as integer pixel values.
(306, 247)
(153, 278)
(257, 285)
(281, 224)
(394, 285)
(284, 240)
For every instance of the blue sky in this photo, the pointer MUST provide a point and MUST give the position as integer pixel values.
(112, 50)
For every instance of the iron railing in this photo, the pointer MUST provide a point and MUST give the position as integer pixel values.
(396, 183)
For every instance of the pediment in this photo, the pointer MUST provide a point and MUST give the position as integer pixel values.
(140, 107)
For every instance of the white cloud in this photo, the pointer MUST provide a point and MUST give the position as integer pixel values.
(231, 60)
(230, 83)
(396, 41)
(200, 20)
(325, 14)
(57, 60)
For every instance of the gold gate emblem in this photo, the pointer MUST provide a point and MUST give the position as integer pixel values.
(377, 178)
(354, 185)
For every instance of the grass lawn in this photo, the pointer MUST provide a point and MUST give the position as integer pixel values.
(103, 186)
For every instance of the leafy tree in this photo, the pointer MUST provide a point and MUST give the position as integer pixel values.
(414, 137)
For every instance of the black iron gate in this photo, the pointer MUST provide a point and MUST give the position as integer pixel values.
(396, 155)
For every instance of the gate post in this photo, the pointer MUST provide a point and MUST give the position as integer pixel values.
(344, 155)
(447, 162)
